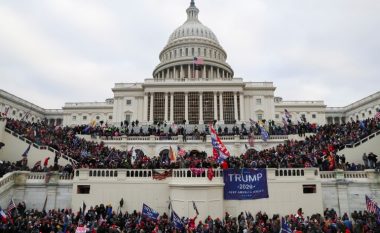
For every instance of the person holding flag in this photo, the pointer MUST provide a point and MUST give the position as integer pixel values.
(177, 221)
(285, 228)
(219, 150)
(149, 213)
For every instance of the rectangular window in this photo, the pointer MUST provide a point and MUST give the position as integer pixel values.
(159, 107)
(128, 118)
(74, 118)
(193, 100)
(228, 108)
(259, 117)
(83, 189)
(179, 107)
(208, 107)
(129, 102)
(277, 116)
(258, 101)
(84, 118)
(149, 96)
(309, 188)
(238, 105)
(109, 117)
(169, 102)
(314, 116)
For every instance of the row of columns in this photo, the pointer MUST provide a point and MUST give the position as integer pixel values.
(207, 71)
(170, 117)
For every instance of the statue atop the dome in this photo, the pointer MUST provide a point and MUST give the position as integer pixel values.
(192, 3)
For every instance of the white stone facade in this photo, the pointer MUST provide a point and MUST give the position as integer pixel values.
(359, 110)
(343, 191)
(179, 92)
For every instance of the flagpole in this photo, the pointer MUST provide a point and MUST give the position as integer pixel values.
(193, 68)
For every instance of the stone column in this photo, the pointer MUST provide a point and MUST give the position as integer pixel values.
(204, 72)
(166, 107)
(167, 73)
(145, 115)
(236, 107)
(221, 107)
(181, 74)
(187, 107)
(217, 73)
(242, 114)
(172, 106)
(201, 108)
(189, 72)
(216, 106)
(151, 107)
(174, 73)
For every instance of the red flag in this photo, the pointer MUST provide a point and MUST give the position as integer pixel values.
(46, 162)
(172, 155)
(210, 173)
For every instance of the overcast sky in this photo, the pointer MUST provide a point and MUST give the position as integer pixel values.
(57, 51)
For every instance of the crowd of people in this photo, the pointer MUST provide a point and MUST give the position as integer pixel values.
(102, 219)
(318, 150)
(165, 130)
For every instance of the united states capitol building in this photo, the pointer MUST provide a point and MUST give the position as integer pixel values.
(182, 92)
(177, 92)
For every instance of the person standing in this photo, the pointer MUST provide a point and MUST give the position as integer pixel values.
(365, 160)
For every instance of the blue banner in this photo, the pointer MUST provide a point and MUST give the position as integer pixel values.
(245, 184)
(149, 213)
(177, 222)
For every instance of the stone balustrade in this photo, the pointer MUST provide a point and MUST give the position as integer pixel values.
(179, 138)
(40, 147)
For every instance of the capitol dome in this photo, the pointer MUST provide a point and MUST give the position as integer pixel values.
(189, 42)
(193, 28)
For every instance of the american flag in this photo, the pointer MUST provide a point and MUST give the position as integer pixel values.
(251, 139)
(287, 114)
(253, 123)
(10, 208)
(372, 206)
(198, 61)
(5, 113)
(157, 175)
(181, 151)
(219, 149)
(377, 115)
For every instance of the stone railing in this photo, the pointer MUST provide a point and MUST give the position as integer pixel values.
(282, 173)
(179, 138)
(40, 147)
(348, 175)
(361, 141)
(7, 179)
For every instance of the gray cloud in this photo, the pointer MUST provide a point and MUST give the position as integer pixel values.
(62, 51)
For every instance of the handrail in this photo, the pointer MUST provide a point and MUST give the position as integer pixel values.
(40, 147)
(343, 174)
(188, 138)
(361, 141)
